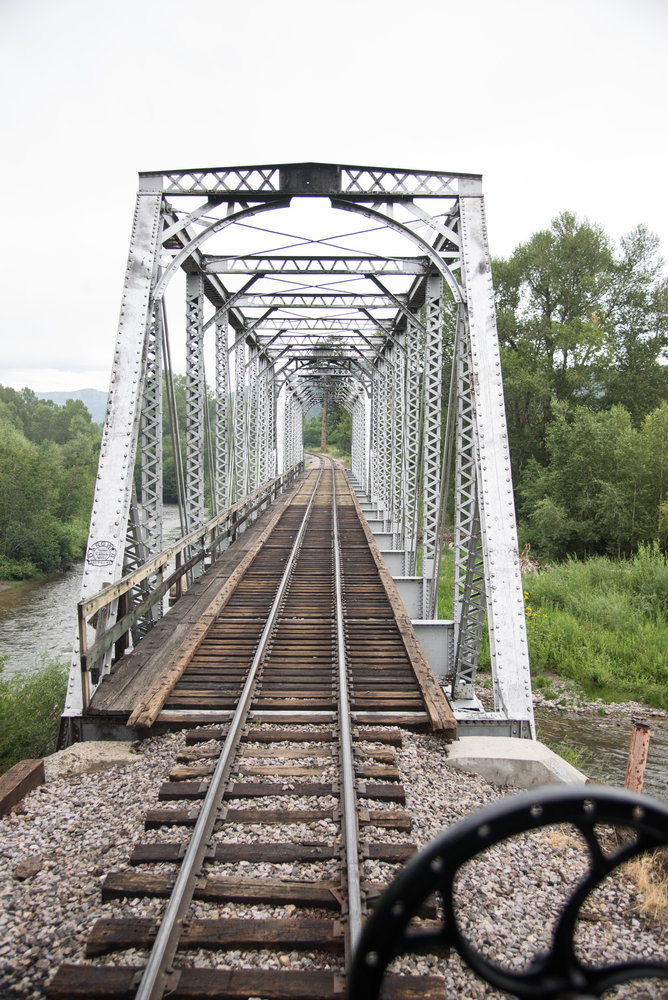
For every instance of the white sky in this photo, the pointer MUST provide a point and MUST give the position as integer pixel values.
(560, 104)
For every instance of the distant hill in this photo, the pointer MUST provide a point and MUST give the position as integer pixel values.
(94, 400)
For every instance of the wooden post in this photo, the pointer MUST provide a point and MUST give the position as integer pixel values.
(635, 769)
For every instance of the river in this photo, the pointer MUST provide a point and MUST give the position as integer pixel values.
(608, 739)
(38, 621)
(38, 618)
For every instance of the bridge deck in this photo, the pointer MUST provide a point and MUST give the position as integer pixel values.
(191, 666)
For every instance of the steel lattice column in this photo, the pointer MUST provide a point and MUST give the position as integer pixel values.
(288, 430)
(358, 443)
(505, 604)
(222, 472)
(411, 474)
(431, 445)
(383, 418)
(194, 401)
(251, 430)
(375, 407)
(144, 535)
(240, 469)
(398, 443)
(298, 430)
(469, 578)
(270, 388)
(151, 439)
(113, 486)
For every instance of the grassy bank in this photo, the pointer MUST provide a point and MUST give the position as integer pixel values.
(601, 622)
(30, 709)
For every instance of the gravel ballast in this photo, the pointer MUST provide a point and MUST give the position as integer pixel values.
(58, 845)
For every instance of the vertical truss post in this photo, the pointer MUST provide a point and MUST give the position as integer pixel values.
(194, 401)
(136, 553)
(144, 534)
(373, 450)
(367, 404)
(358, 443)
(151, 438)
(240, 471)
(398, 413)
(270, 450)
(298, 432)
(469, 578)
(288, 433)
(411, 472)
(282, 402)
(384, 439)
(252, 416)
(431, 444)
(222, 472)
(113, 487)
(263, 423)
(505, 604)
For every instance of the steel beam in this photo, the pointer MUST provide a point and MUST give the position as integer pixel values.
(505, 604)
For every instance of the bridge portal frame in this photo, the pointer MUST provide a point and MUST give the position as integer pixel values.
(384, 366)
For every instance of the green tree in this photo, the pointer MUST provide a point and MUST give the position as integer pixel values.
(637, 320)
(550, 304)
(48, 461)
(603, 486)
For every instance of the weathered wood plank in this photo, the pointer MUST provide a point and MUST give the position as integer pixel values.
(79, 982)
(147, 710)
(18, 781)
(172, 791)
(272, 853)
(188, 817)
(110, 934)
(441, 715)
(118, 885)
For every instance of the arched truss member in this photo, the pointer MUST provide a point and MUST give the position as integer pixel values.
(287, 317)
(551, 974)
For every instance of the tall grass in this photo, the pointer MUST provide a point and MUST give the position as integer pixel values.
(31, 704)
(604, 624)
(601, 622)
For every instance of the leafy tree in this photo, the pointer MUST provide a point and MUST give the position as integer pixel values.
(550, 300)
(48, 461)
(637, 319)
(603, 486)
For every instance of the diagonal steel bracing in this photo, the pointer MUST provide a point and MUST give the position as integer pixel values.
(353, 313)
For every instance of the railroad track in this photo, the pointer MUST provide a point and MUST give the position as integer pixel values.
(300, 776)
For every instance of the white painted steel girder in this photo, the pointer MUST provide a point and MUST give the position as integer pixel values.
(431, 446)
(371, 340)
(222, 465)
(503, 581)
(113, 488)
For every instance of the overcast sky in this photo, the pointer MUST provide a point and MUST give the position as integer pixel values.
(560, 104)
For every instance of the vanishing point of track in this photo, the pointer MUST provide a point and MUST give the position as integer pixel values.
(308, 655)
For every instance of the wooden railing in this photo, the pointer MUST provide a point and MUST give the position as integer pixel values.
(112, 603)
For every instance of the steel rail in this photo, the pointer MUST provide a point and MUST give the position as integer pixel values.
(155, 978)
(350, 824)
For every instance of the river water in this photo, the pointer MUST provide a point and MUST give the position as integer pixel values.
(38, 618)
(608, 739)
(38, 621)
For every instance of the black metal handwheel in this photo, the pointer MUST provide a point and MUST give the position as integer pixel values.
(552, 975)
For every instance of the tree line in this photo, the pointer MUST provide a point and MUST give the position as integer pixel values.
(583, 327)
(48, 463)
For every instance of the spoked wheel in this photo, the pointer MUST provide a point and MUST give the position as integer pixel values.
(553, 975)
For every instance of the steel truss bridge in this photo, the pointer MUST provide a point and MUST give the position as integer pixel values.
(276, 300)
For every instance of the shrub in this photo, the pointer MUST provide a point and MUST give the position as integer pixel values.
(31, 704)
